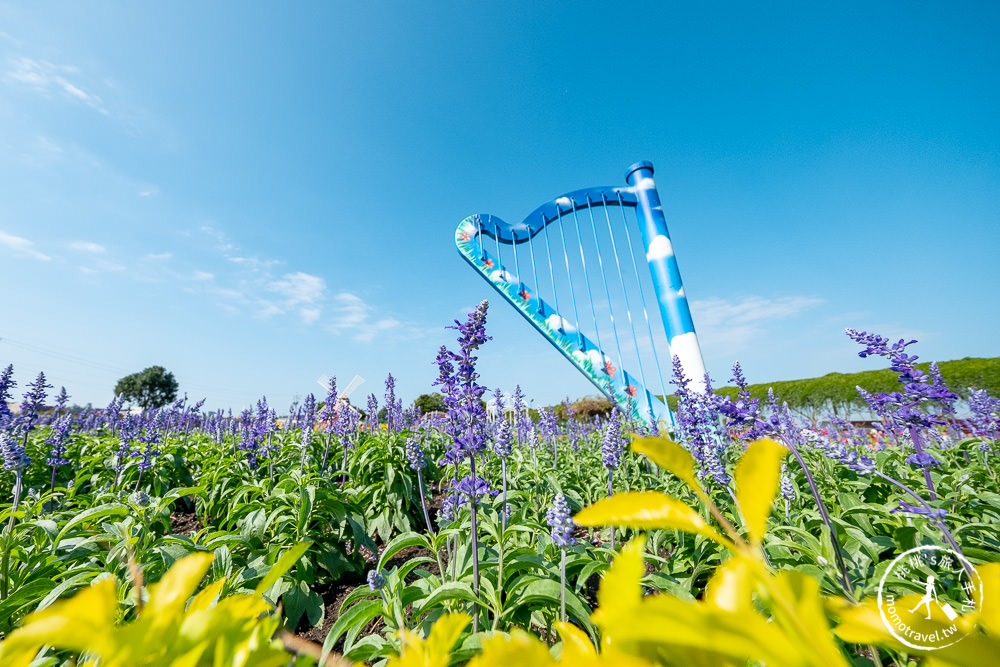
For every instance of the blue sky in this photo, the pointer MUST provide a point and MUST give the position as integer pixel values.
(253, 197)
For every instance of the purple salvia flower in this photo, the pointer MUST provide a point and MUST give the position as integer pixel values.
(451, 505)
(985, 418)
(923, 511)
(34, 400)
(786, 485)
(744, 412)
(522, 421)
(923, 460)
(503, 438)
(415, 455)
(372, 416)
(560, 522)
(329, 413)
(14, 456)
(375, 580)
(58, 436)
(472, 489)
(6, 384)
(612, 442)
(393, 410)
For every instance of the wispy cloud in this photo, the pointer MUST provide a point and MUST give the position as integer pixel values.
(50, 80)
(159, 256)
(354, 316)
(732, 325)
(253, 283)
(21, 246)
(302, 292)
(87, 246)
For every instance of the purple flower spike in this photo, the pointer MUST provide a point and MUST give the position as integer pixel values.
(560, 521)
(612, 444)
(923, 460)
(932, 513)
(14, 457)
(375, 580)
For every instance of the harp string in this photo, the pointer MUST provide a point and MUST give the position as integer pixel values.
(586, 275)
(645, 313)
(621, 278)
(552, 276)
(572, 292)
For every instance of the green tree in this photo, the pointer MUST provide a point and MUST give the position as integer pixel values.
(430, 403)
(151, 388)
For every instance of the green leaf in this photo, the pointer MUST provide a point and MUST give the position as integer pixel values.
(452, 590)
(757, 476)
(399, 543)
(357, 616)
(287, 560)
(114, 509)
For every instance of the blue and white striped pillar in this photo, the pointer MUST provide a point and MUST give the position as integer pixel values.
(666, 276)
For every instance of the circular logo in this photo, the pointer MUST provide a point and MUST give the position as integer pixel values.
(923, 594)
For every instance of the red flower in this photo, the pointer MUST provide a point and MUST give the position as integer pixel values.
(488, 263)
(630, 390)
(609, 369)
(524, 294)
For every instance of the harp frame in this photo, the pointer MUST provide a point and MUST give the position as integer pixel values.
(618, 385)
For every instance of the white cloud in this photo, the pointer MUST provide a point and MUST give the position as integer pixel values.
(159, 255)
(729, 326)
(203, 275)
(302, 292)
(353, 315)
(22, 246)
(300, 288)
(87, 246)
(48, 79)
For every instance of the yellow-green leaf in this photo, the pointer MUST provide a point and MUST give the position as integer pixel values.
(989, 615)
(757, 477)
(85, 622)
(168, 597)
(576, 644)
(206, 596)
(620, 591)
(670, 456)
(646, 510)
(445, 633)
(731, 587)
(519, 649)
(435, 651)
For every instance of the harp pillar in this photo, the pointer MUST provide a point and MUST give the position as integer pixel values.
(666, 276)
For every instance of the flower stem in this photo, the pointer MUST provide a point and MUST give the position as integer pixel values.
(826, 519)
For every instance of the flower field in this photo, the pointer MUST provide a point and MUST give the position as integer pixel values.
(741, 535)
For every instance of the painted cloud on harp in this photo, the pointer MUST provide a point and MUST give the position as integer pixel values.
(564, 201)
(501, 276)
(596, 359)
(645, 184)
(659, 248)
(556, 323)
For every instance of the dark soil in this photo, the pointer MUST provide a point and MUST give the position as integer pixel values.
(334, 595)
(184, 523)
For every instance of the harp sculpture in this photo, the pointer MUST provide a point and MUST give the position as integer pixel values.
(571, 269)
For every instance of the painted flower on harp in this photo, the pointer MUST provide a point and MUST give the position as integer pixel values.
(609, 369)
(465, 236)
(630, 390)
(524, 294)
(488, 263)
